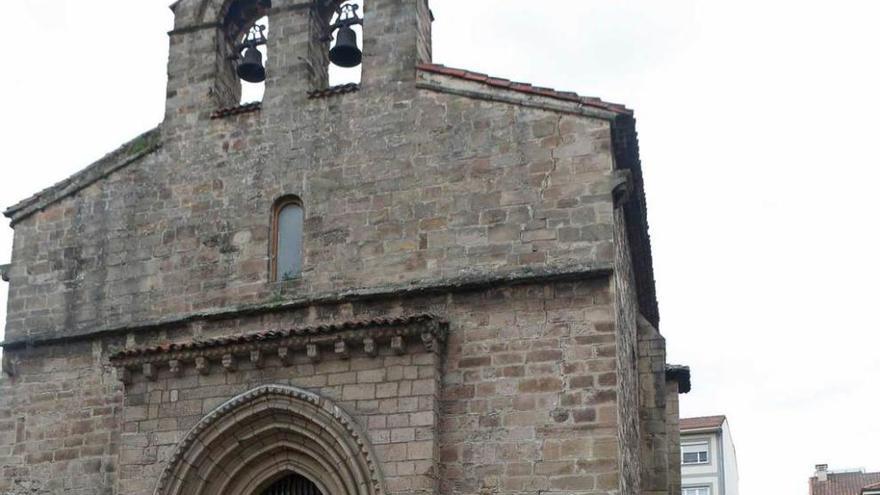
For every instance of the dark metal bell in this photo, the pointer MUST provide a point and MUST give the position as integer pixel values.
(251, 67)
(346, 52)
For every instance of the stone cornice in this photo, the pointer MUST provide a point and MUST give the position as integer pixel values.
(338, 340)
(462, 283)
(136, 149)
(446, 82)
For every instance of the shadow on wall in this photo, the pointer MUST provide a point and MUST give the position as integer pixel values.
(4, 294)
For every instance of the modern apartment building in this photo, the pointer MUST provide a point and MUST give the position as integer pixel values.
(708, 457)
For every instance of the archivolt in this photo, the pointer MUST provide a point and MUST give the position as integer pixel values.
(255, 439)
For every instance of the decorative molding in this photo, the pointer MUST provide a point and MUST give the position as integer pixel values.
(203, 366)
(174, 367)
(149, 371)
(130, 152)
(621, 187)
(343, 435)
(370, 348)
(257, 358)
(284, 356)
(398, 346)
(463, 283)
(338, 339)
(334, 91)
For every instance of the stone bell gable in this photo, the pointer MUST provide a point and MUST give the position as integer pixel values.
(430, 281)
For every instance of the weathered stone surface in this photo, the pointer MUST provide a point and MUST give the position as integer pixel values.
(500, 208)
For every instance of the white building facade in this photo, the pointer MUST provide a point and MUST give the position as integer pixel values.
(708, 457)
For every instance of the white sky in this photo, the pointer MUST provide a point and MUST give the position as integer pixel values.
(758, 131)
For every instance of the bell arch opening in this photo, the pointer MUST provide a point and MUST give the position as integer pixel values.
(273, 438)
(346, 47)
(243, 51)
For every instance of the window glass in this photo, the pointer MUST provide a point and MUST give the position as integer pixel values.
(695, 453)
(697, 490)
(288, 262)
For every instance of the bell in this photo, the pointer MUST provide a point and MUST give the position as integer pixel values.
(346, 52)
(251, 67)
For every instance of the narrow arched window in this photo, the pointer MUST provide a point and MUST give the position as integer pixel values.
(288, 239)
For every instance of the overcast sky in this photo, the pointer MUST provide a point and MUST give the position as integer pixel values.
(758, 127)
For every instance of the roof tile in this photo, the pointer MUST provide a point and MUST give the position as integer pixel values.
(334, 90)
(271, 334)
(524, 87)
(844, 483)
(702, 423)
(237, 110)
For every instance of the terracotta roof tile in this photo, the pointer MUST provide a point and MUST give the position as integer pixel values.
(272, 334)
(237, 110)
(844, 483)
(873, 487)
(702, 423)
(334, 90)
(524, 87)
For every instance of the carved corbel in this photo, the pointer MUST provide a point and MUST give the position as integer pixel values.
(124, 375)
(621, 187)
(203, 366)
(370, 347)
(398, 346)
(257, 358)
(175, 368)
(429, 341)
(229, 362)
(150, 371)
(313, 353)
(340, 348)
(284, 355)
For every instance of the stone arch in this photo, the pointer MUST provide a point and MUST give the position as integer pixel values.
(258, 437)
(209, 11)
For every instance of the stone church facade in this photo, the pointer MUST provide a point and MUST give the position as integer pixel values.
(471, 309)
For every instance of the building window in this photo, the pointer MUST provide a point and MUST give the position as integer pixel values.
(695, 453)
(287, 239)
(696, 490)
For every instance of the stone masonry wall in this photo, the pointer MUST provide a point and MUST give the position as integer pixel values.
(422, 192)
(626, 315)
(393, 398)
(396, 188)
(526, 401)
(60, 424)
(673, 435)
(653, 416)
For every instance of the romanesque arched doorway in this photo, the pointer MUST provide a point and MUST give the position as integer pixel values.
(273, 440)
